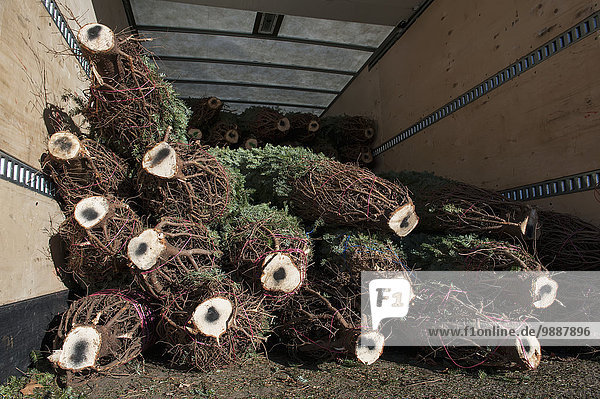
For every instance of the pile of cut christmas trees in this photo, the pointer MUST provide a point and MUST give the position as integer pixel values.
(211, 253)
(343, 138)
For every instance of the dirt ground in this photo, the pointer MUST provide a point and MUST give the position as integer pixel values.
(395, 375)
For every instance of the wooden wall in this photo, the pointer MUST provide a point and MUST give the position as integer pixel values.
(31, 73)
(544, 124)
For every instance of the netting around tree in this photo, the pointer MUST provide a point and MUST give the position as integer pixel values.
(446, 205)
(268, 249)
(129, 105)
(174, 254)
(84, 168)
(96, 235)
(212, 324)
(187, 181)
(103, 330)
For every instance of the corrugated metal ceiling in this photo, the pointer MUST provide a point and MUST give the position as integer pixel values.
(212, 51)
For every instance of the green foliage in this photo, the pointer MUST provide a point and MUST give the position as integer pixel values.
(429, 252)
(461, 252)
(269, 170)
(49, 388)
(276, 219)
(201, 277)
(238, 194)
(342, 245)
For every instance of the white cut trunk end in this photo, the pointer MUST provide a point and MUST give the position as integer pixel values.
(91, 211)
(212, 316)
(96, 38)
(283, 125)
(64, 145)
(529, 226)
(214, 103)
(404, 220)
(250, 143)
(145, 249)
(369, 346)
(161, 161)
(313, 126)
(80, 349)
(545, 289)
(280, 274)
(232, 136)
(529, 351)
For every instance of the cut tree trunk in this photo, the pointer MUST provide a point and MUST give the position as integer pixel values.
(129, 105)
(186, 181)
(447, 206)
(103, 330)
(96, 235)
(84, 168)
(212, 324)
(269, 250)
(172, 255)
(348, 195)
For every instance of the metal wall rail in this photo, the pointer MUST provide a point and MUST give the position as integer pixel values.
(67, 33)
(21, 174)
(566, 39)
(550, 188)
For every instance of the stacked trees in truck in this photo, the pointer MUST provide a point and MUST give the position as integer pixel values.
(221, 247)
(351, 136)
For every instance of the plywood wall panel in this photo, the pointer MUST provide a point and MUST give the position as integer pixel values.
(542, 125)
(35, 67)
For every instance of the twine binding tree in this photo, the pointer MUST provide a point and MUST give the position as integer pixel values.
(169, 257)
(96, 235)
(211, 324)
(83, 168)
(268, 249)
(129, 105)
(102, 331)
(187, 181)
